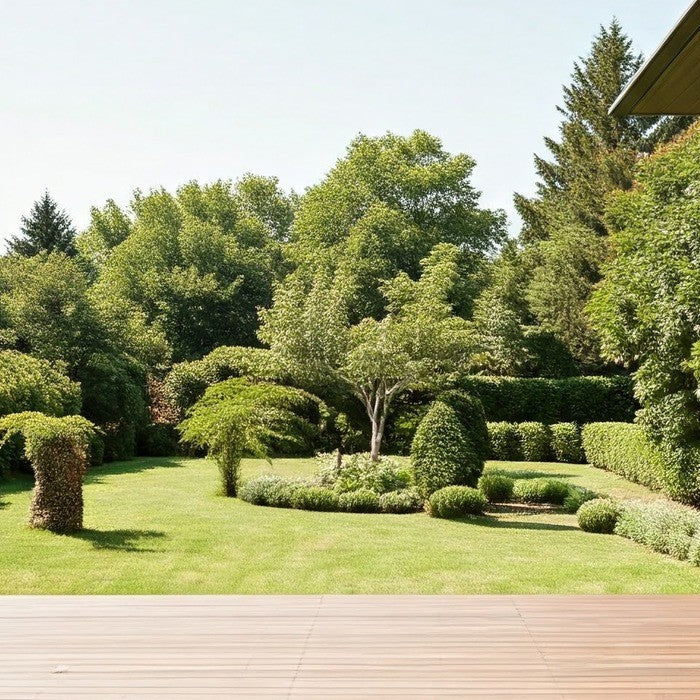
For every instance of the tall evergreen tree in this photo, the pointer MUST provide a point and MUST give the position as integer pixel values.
(564, 224)
(46, 229)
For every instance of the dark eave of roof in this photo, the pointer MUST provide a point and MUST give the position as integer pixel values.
(669, 81)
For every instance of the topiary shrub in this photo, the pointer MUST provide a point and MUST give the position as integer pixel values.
(359, 501)
(598, 515)
(505, 442)
(358, 471)
(404, 501)
(540, 491)
(566, 443)
(442, 454)
(496, 488)
(471, 414)
(456, 502)
(577, 497)
(534, 441)
(315, 498)
(58, 449)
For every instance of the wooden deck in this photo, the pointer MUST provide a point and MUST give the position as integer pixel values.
(350, 646)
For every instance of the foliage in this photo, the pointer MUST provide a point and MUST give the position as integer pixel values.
(566, 442)
(58, 450)
(360, 471)
(238, 417)
(540, 491)
(270, 490)
(578, 495)
(45, 230)
(496, 487)
(598, 515)
(315, 498)
(442, 454)
(359, 501)
(666, 527)
(504, 439)
(549, 355)
(456, 502)
(157, 440)
(535, 440)
(399, 502)
(471, 414)
(30, 384)
(625, 449)
(574, 399)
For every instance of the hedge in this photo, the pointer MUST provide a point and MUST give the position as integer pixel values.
(569, 400)
(456, 502)
(624, 449)
(535, 442)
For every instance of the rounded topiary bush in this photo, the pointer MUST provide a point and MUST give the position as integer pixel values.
(534, 441)
(540, 491)
(456, 502)
(577, 497)
(404, 501)
(441, 453)
(471, 414)
(566, 442)
(360, 501)
(496, 487)
(598, 515)
(314, 498)
(504, 441)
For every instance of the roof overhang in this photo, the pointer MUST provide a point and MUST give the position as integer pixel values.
(669, 81)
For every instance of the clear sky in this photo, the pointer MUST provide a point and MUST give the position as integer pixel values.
(98, 98)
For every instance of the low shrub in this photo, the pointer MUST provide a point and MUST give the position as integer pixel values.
(540, 491)
(566, 443)
(496, 487)
(624, 449)
(269, 490)
(441, 453)
(456, 502)
(694, 550)
(665, 527)
(577, 497)
(358, 471)
(505, 441)
(314, 498)
(359, 501)
(598, 515)
(404, 501)
(534, 441)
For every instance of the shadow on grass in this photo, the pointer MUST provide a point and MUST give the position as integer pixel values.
(132, 466)
(518, 525)
(121, 540)
(530, 474)
(15, 483)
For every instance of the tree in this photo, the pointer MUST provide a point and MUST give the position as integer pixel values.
(46, 229)
(595, 154)
(419, 339)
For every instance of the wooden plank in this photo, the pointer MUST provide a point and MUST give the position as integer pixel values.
(350, 646)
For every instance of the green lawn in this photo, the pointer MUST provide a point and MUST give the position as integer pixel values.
(158, 526)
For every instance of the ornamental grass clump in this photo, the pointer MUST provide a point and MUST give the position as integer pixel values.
(58, 450)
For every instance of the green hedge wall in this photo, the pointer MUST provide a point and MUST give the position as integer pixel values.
(574, 399)
(532, 441)
(624, 449)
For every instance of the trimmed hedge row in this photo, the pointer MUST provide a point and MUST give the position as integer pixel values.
(624, 449)
(535, 442)
(570, 400)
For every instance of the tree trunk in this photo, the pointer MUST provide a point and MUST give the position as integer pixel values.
(376, 441)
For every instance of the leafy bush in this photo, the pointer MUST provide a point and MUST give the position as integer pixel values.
(402, 423)
(471, 414)
(58, 449)
(598, 515)
(403, 501)
(496, 488)
(566, 442)
(574, 399)
(456, 502)
(29, 384)
(315, 498)
(359, 501)
(666, 527)
(624, 449)
(534, 441)
(442, 454)
(577, 497)
(270, 490)
(358, 471)
(540, 491)
(505, 441)
(158, 440)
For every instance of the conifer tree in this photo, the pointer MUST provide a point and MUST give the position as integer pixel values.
(46, 229)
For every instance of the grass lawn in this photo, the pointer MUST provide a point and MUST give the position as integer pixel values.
(158, 526)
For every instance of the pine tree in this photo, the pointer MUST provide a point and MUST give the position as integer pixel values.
(46, 229)
(595, 154)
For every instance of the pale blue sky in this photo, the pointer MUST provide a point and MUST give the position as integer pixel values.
(98, 98)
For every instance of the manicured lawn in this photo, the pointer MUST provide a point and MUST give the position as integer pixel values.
(158, 526)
